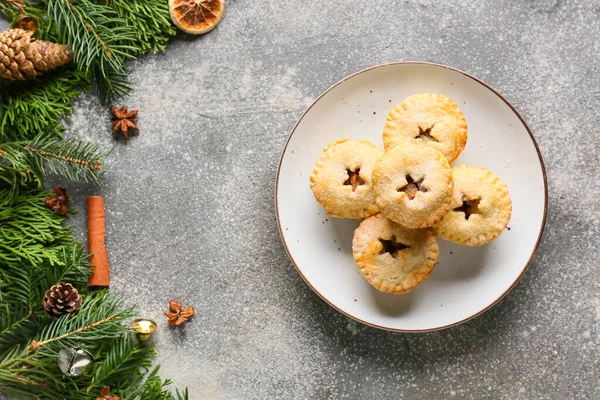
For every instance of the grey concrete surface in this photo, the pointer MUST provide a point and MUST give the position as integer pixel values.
(191, 216)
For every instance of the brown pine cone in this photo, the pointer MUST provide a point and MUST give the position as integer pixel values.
(22, 57)
(61, 299)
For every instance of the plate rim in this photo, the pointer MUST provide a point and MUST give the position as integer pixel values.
(540, 234)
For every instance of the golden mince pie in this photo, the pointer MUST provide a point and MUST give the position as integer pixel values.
(413, 184)
(431, 118)
(480, 209)
(392, 258)
(341, 180)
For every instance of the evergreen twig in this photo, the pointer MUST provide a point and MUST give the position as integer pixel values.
(149, 20)
(29, 109)
(36, 249)
(35, 345)
(28, 161)
(29, 233)
(100, 40)
(16, 3)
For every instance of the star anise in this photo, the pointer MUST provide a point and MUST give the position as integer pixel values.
(59, 201)
(124, 120)
(105, 394)
(177, 314)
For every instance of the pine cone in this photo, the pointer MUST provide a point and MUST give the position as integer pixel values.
(22, 57)
(61, 299)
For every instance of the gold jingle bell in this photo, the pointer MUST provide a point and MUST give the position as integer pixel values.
(26, 22)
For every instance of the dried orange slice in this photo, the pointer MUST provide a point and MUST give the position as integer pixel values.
(196, 16)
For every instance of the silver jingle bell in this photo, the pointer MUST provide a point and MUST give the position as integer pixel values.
(74, 361)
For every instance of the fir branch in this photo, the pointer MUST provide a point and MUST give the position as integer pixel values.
(15, 3)
(100, 39)
(153, 388)
(103, 35)
(184, 395)
(98, 319)
(35, 345)
(74, 268)
(32, 387)
(150, 21)
(122, 363)
(16, 326)
(73, 159)
(36, 252)
(16, 285)
(98, 327)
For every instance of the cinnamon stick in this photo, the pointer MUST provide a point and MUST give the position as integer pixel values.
(100, 276)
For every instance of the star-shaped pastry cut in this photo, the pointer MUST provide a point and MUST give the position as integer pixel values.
(354, 179)
(425, 135)
(469, 207)
(392, 246)
(412, 188)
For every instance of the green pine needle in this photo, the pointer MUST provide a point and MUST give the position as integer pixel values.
(100, 317)
(150, 21)
(36, 249)
(121, 364)
(29, 233)
(28, 162)
(28, 109)
(100, 40)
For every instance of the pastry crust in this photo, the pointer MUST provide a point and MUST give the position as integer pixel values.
(341, 179)
(480, 210)
(391, 267)
(433, 118)
(413, 184)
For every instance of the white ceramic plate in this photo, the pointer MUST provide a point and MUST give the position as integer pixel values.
(467, 281)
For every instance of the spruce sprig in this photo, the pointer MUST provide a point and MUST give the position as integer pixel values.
(30, 342)
(119, 362)
(101, 316)
(17, 4)
(99, 328)
(101, 42)
(28, 161)
(103, 35)
(154, 388)
(149, 20)
(38, 250)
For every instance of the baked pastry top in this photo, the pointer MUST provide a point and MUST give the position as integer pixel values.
(432, 118)
(341, 179)
(413, 184)
(393, 258)
(480, 210)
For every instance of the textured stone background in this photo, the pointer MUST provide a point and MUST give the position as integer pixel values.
(190, 208)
